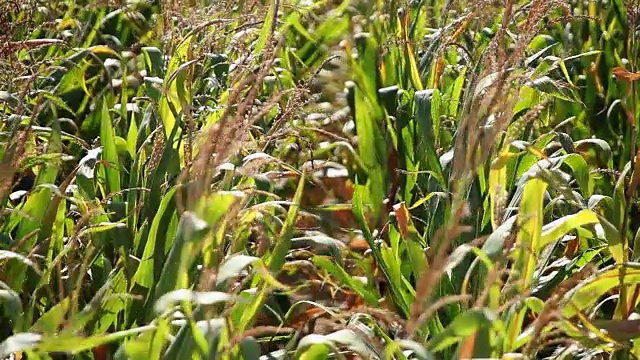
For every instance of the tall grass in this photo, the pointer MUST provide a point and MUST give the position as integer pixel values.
(319, 179)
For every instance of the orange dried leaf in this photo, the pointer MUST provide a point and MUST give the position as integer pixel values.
(341, 187)
(101, 352)
(439, 69)
(630, 118)
(466, 351)
(572, 248)
(407, 20)
(594, 71)
(304, 317)
(383, 71)
(402, 216)
(353, 301)
(537, 152)
(460, 30)
(344, 218)
(359, 244)
(622, 74)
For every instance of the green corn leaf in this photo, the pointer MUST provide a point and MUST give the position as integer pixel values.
(191, 231)
(145, 273)
(369, 296)
(456, 93)
(426, 141)
(286, 233)
(554, 88)
(462, 326)
(50, 321)
(358, 211)
(580, 171)
(265, 31)
(314, 351)
(154, 62)
(11, 306)
(74, 344)
(109, 151)
(349, 338)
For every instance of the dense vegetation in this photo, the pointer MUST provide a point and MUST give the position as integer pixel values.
(421, 179)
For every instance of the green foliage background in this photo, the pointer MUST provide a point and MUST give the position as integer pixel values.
(251, 179)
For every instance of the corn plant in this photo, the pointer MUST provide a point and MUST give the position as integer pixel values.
(319, 179)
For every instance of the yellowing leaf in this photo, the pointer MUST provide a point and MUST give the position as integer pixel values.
(584, 296)
(102, 49)
(171, 99)
(498, 186)
(66, 24)
(565, 224)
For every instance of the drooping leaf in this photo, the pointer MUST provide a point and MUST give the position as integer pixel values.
(18, 343)
(233, 266)
(348, 338)
(565, 224)
(554, 88)
(496, 241)
(184, 295)
(590, 291)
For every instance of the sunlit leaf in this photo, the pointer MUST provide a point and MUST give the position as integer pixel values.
(183, 295)
(233, 266)
(462, 326)
(19, 342)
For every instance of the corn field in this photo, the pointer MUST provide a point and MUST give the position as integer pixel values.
(319, 179)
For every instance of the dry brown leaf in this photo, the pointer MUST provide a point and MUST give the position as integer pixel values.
(402, 217)
(572, 248)
(359, 244)
(623, 75)
(466, 351)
